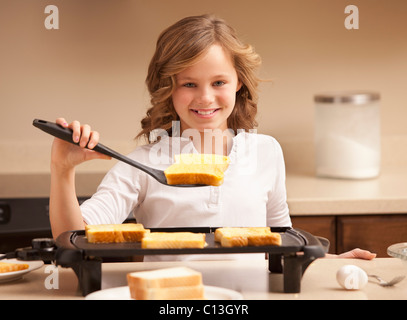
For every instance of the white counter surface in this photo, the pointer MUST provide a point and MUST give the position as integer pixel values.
(386, 194)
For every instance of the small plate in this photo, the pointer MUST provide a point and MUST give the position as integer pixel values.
(15, 275)
(398, 250)
(123, 293)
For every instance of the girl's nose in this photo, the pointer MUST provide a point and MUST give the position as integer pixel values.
(205, 97)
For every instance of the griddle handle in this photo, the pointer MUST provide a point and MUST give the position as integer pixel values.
(312, 240)
(295, 266)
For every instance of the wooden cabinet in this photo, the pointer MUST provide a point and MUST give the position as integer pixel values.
(371, 232)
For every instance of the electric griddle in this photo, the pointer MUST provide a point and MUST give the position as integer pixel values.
(72, 250)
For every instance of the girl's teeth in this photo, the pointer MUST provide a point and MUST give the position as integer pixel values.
(204, 112)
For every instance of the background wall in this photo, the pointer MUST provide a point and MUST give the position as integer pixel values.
(93, 67)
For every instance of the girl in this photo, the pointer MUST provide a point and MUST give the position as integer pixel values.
(203, 90)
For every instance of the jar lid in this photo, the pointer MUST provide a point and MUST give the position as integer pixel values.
(356, 97)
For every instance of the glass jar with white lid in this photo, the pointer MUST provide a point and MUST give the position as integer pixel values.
(347, 134)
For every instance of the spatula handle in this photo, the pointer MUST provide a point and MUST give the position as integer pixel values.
(66, 135)
(54, 130)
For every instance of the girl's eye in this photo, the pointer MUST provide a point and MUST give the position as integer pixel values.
(218, 83)
(189, 85)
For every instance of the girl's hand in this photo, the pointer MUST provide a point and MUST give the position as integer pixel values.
(65, 155)
(354, 254)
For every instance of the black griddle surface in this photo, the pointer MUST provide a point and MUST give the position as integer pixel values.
(292, 241)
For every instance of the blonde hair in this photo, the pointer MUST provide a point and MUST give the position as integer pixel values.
(180, 46)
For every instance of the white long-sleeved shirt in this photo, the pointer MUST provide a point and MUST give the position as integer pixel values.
(253, 192)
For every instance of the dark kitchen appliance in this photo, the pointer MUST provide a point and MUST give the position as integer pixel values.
(22, 219)
(72, 250)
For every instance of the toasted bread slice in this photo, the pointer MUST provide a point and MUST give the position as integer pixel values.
(239, 231)
(173, 240)
(250, 236)
(272, 239)
(110, 233)
(193, 168)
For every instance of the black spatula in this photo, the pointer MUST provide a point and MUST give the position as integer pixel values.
(66, 135)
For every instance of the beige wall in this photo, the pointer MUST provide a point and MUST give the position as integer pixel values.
(93, 68)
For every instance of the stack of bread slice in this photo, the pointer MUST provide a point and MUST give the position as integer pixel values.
(247, 236)
(110, 233)
(177, 283)
(193, 168)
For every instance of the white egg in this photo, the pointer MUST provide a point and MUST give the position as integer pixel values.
(351, 277)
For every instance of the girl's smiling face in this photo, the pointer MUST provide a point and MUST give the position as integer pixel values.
(205, 93)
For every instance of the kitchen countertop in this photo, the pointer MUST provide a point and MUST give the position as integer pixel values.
(310, 195)
(252, 280)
